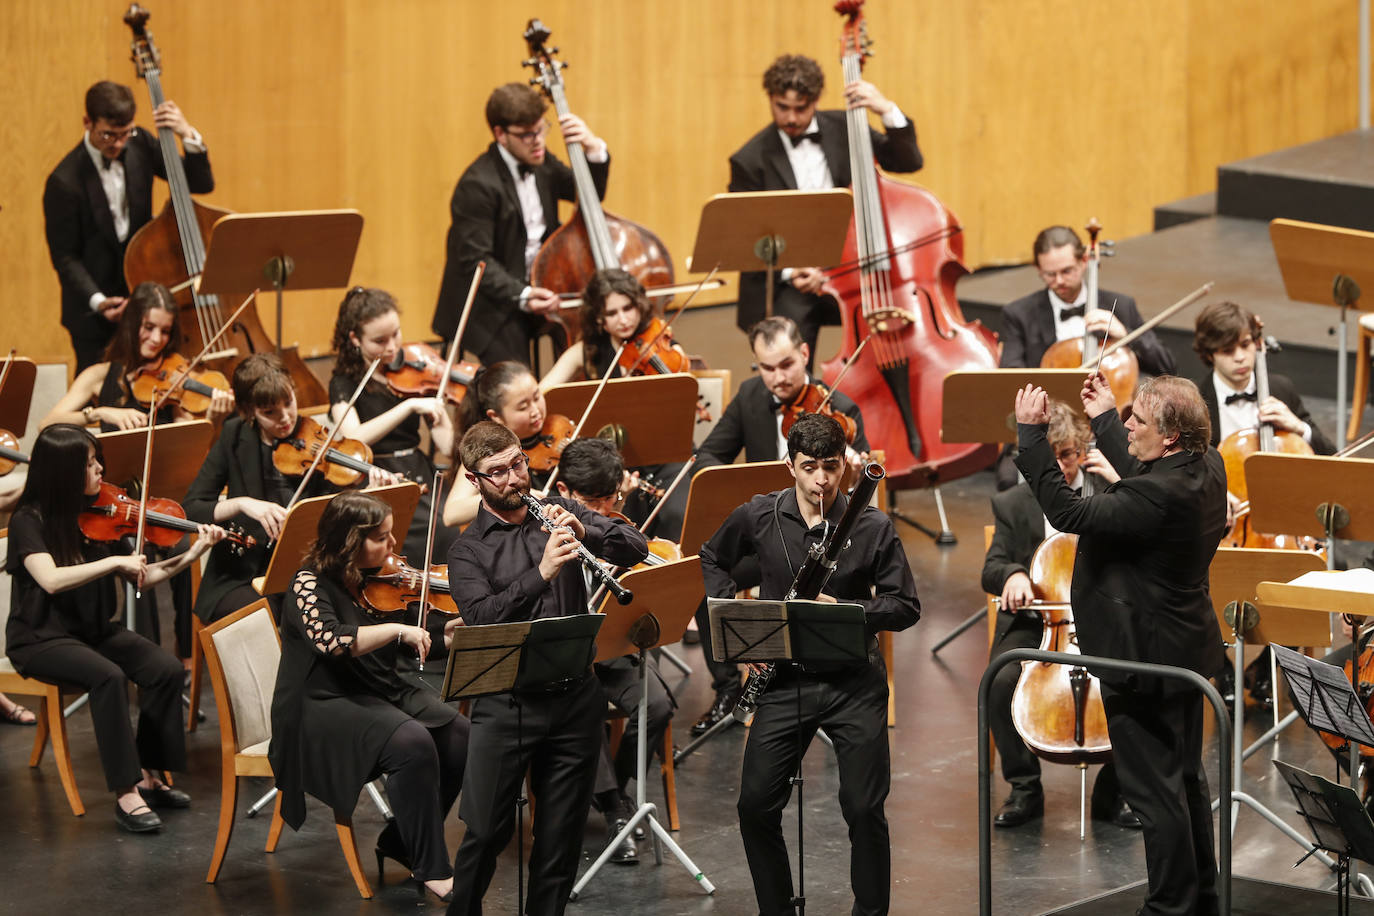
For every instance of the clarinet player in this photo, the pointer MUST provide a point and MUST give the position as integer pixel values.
(848, 701)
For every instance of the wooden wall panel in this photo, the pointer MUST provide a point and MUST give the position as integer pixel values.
(1028, 113)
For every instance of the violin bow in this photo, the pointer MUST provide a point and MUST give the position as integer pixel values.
(667, 492)
(191, 366)
(668, 322)
(1178, 306)
(575, 300)
(577, 430)
(830, 393)
(332, 435)
(462, 326)
(5, 372)
(429, 538)
(1102, 347)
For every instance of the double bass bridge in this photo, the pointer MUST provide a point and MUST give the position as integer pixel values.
(888, 320)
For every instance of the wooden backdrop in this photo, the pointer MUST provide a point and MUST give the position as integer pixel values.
(1028, 113)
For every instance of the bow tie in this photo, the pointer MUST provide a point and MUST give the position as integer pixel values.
(106, 163)
(814, 137)
(1074, 311)
(1240, 396)
(773, 403)
(524, 170)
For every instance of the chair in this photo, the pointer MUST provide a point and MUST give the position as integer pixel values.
(616, 720)
(51, 721)
(1361, 393)
(242, 652)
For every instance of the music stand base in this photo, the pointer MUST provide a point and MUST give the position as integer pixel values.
(686, 751)
(958, 631)
(944, 537)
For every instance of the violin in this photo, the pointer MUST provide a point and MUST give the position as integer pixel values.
(193, 393)
(651, 352)
(813, 398)
(10, 456)
(115, 514)
(550, 442)
(344, 463)
(417, 370)
(394, 588)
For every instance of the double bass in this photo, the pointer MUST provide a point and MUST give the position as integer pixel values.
(902, 257)
(593, 239)
(170, 249)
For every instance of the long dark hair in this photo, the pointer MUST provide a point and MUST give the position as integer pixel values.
(487, 390)
(596, 340)
(360, 305)
(123, 348)
(345, 523)
(55, 489)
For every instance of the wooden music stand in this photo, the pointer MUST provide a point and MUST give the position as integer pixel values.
(313, 249)
(301, 526)
(717, 491)
(17, 396)
(988, 400)
(1311, 256)
(179, 449)
(766, 230)
(1316, 495)
(656, 414)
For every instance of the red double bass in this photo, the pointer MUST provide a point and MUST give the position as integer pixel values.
(896, 283)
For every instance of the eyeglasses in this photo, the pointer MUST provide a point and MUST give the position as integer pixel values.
(526, 136)
(110, 136)
(599, 503)
(501, 475)
(1049, 276)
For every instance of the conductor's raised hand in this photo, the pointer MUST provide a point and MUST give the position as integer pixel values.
(1097, 395)
(1032, 406)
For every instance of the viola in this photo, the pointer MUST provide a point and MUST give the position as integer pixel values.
(549, 443)
(345, 462)
(593, 239)
(651, 352)
(814, 398)
(170, 249)
(417, 370)
(193, 393)
(115, 514)
(10, 456)
(394, 588)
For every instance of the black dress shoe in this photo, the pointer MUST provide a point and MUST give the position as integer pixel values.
(1018, 809)
(627, 811)
(722, 707)
(145, 822)
(1226, 686)
(165, 797)
(1118, 813)
(625, 852)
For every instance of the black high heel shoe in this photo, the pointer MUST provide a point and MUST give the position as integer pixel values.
(389, 846)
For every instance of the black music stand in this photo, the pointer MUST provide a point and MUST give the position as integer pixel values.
(501, 658)
(1338, 821)
(778, 632)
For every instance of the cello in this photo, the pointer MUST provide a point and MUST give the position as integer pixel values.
(593, 239)
(170, 249)
(902, 257)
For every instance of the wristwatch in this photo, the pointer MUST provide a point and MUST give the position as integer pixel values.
(89, 413)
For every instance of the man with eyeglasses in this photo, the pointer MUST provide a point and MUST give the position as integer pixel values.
(100, 194)
(504, 207)
(506, 567)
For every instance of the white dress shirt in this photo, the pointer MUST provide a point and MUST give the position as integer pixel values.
(1241, 414)
(1068, 328)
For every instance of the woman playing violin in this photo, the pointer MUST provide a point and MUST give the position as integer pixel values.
(240, 464)
(369, 327)
(103, 393)
(348, 704)
(61, 626)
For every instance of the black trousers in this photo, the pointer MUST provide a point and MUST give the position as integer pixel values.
(853, 711)
(725, 675)
(425, 773)
(104, 670)
(620, 683)
(1157, 744)
(90, 351)
(557, 738)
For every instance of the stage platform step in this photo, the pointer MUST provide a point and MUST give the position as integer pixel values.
(1327, 181)
(1199, 206)
(1249, 897)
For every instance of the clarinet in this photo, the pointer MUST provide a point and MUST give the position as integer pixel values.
(622, 594)
(811, 579)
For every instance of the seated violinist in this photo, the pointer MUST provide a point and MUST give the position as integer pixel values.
(63, 628)
(593, 474)
(349, 704)
(241, 466)
(368, 327)
(1021, 527)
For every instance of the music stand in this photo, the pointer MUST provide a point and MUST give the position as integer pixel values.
(1337, 819)
(767, 230)
(651, 416)
(501, 658)
(1315, 495)
(1311, 258)
(313, 249)
(776, 632)
(666, 597)
(16, 396)
(987, 398)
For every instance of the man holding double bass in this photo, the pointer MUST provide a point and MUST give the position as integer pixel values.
(1140, 592)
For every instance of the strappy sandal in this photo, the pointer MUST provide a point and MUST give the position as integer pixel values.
(16, 716)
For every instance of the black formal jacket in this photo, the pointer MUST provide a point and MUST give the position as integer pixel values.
(762, 165)
(1281, 387)
(749, 422)
(1019, 528)
(1028, 331)
(1140, 580)
(488, 225)
(87, 254)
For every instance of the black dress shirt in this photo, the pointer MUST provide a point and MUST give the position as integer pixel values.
(494, 566)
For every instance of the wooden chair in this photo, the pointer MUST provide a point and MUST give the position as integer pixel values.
(51, 721)
(616, 719)
(1361, 393)
(242, 652)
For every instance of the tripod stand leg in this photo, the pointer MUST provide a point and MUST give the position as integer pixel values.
(686, 751)
(944, 537)
(953, 634)
(676, 662)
